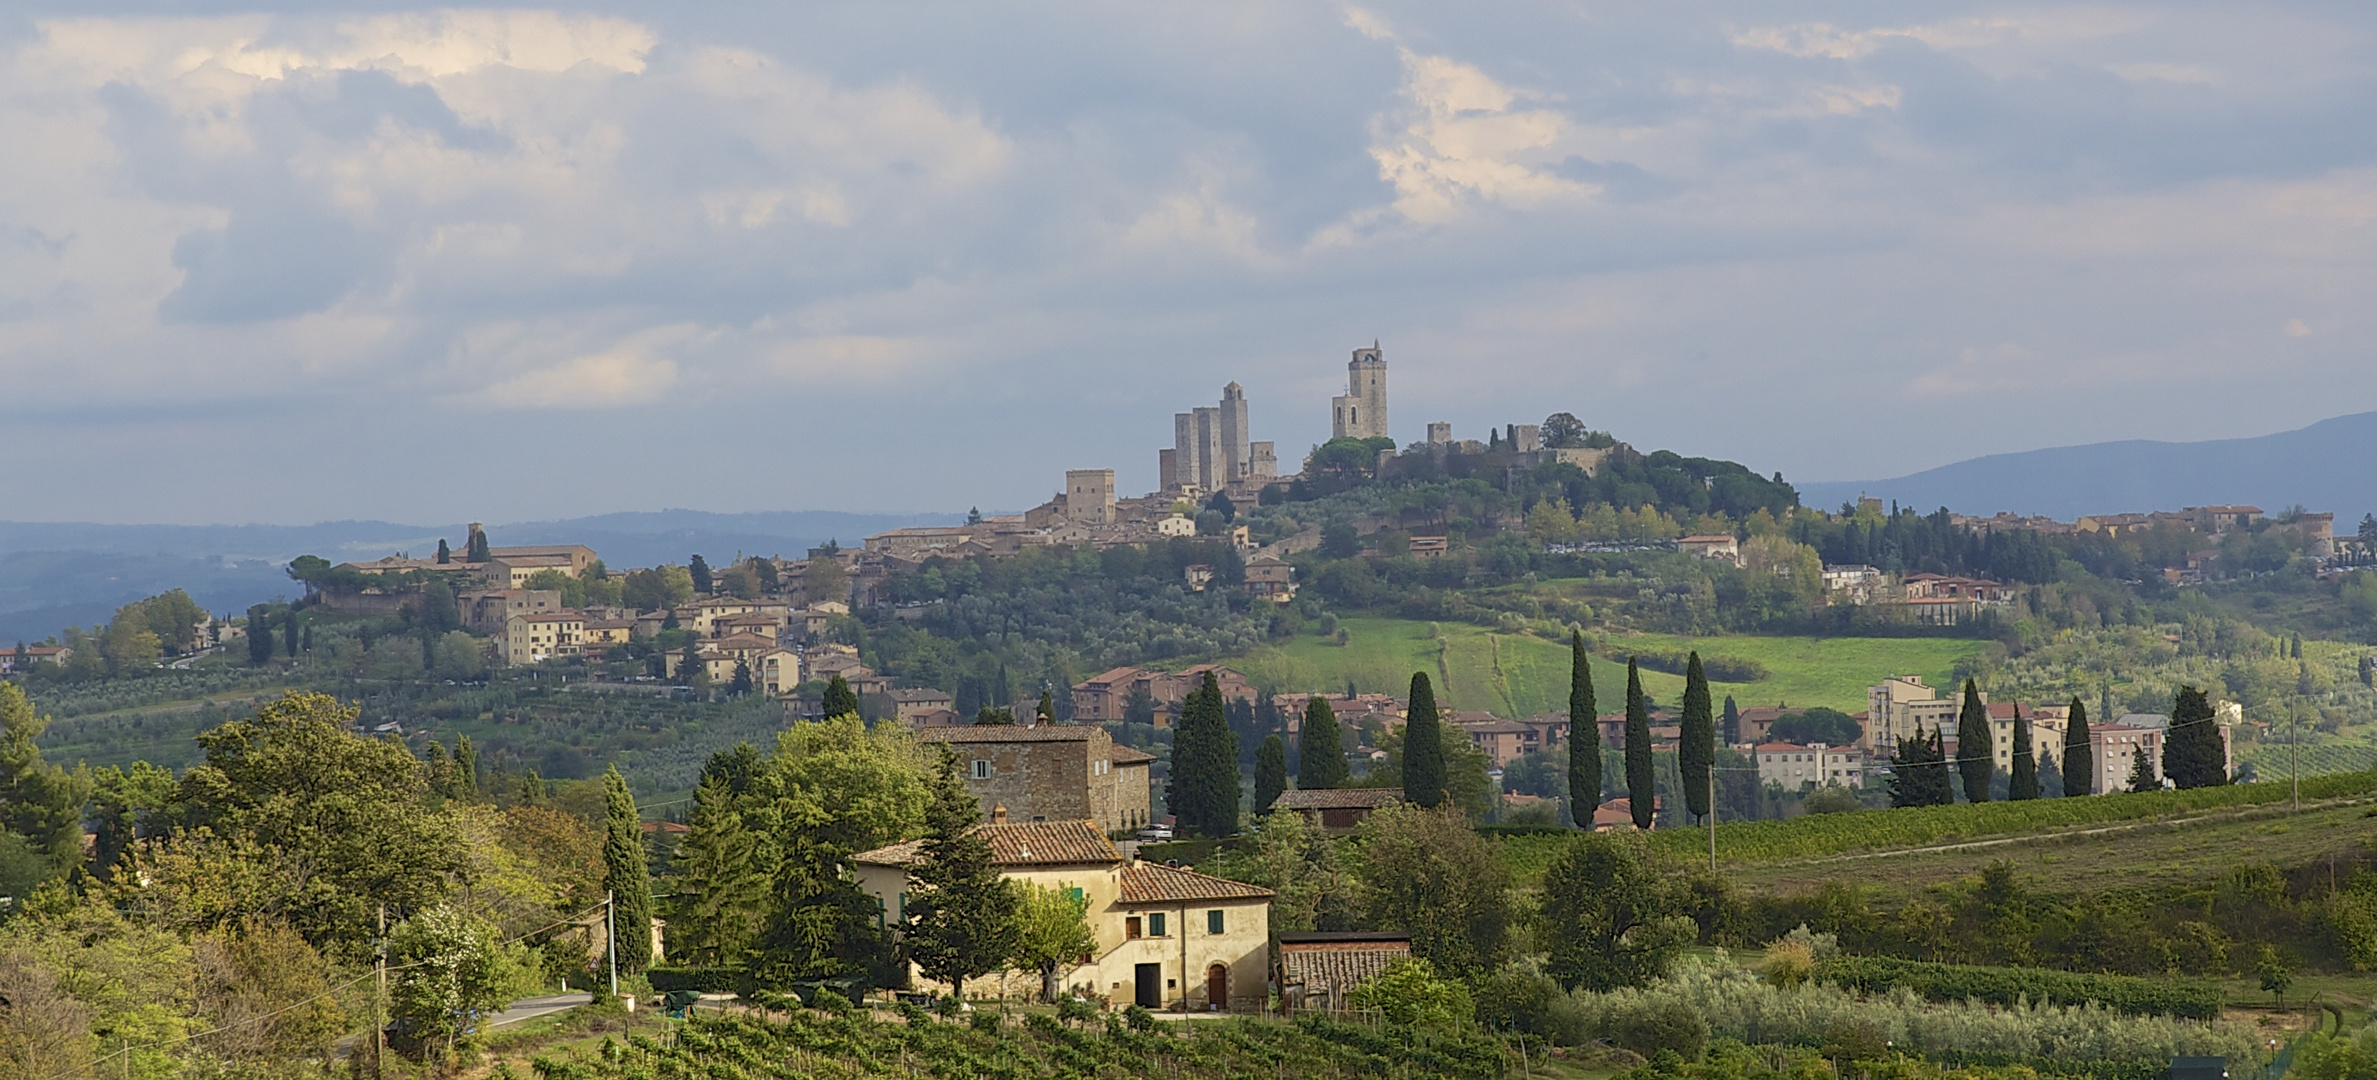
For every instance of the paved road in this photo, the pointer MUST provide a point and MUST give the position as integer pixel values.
(531, 1008)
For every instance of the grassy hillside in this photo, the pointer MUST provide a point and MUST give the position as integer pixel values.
(1519, 675)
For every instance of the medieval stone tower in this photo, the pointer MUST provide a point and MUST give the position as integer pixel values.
(1362, 412)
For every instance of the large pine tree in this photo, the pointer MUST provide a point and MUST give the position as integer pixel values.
(625, 875)
(1271, 772)
(1204, 791)
(961, 911)
(1976, 748)
(1639, 773)
(722, 884)
(1584, 735)
(1423, 746)
(838, 700)
(2192, 753)
(2024, 781)
(1696, 743)
(2079, 760)
(1320, 751)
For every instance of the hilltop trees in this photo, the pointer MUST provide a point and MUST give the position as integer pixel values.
(700, 569)
(724, 905)
(1584, 735)
(1320, 749)
(1976, 751)
(2192, 754)
(1423, 746)
(1204, 788)
(625, 875)
(1639, 776)
(1696, 746)
(2079, 758)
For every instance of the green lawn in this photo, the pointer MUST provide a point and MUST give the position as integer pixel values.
(1520, 675)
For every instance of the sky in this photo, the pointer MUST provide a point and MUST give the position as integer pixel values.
(289, 263)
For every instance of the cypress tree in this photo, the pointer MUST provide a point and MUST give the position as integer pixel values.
(466, 767)
(700, 569)
(1732, 721)
(2079, 760)
(2192, 755)
(1584, 735)
(2141, 772)
(626, 875)
(1204, 793)
(961, 911)
(741, 684)
(478, 546)
(1271, 772)
(259, 635)
(445, 555)
(838, 700)
(1046, 713)
(1320, 752)
(289, 633)
(2024, 783)
(1919, 772)
(1423, 746)
(1696, 743)
(1639, 775)
(1976, 750)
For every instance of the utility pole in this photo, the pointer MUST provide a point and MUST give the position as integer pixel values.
(611, 934)
(2294, 774)
(379, 1001)
(1712, 817)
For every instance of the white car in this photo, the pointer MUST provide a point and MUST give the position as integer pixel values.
(1156, 833)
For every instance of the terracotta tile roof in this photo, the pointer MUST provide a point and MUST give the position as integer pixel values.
(1128, 755)
(1024, 843)
(1148, 883)
(1120, 674)
(998, 733)
(1338, 799)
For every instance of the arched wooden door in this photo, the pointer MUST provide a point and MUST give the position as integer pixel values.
(1217, 986)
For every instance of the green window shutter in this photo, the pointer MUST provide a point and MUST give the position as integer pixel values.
(1213, 922)
(1076, 894)
(1155, 924)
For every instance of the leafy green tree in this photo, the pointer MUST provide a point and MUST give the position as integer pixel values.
(448, 973)
(1831, 727)
(2024, 782)
(1410, 993)
(1271, 772)
(1919, 772)
(552, 579)
(126, 805)
(1561, 430)
(1320, 749)
(1640, 777)
(626, 876)
(1051, 930)
(1300, 863)
(2079, 760)
(1204, 784)
(961, 912)
(838, 699)
(1423, 746)
(1696, 744)
(825, 580)
(1976, 746)
(700, 569)
(1612, 915)
(1340, 541)
(1584, 734)
(2275, 976)
(2141, 773)
(722, 889)
(1429, 872)
(2193, 755)
(38, 801)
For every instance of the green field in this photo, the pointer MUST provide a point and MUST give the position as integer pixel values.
(1521, 675)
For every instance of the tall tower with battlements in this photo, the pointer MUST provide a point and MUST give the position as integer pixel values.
(1362, 412)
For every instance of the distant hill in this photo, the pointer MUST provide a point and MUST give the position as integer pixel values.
(2323, 467)
(59, 574)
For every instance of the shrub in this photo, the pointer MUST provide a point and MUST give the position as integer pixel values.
(1651, 1025)
(2008, 986)
(1789, 963)
(1137, 1018)
(1524, 1001)
(1409, 992)
(986, 1022)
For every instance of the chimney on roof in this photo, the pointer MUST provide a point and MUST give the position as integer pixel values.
(998, 813)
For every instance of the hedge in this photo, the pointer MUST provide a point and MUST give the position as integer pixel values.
(2185, 998)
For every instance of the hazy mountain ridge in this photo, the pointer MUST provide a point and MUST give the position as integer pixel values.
(2322, 467)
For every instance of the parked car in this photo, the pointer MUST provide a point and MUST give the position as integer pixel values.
(1155, 833)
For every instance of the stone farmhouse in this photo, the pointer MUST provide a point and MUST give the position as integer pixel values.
(1051, 772)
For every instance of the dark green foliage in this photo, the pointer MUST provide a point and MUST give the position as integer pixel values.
(700, 569)
(477, 547)
(961, 910)
(1696, 745)
(1732, 721)
(2186, 998)
(2191, 750)
(2141, 773)
(1204, 783)
(1423, 746)
(741, 683)
(1976, 749)
(1320, 749)
(260, 634)
(1584, 735)
(1639, 772)
(2024, 782)
(1612, 914)
(625, 874)
(1831, 727)
(1732, 669)
(1919, 772)
(2079, 758)
(838, 699)
(289, 631)
(1271, 772)
(445, 555)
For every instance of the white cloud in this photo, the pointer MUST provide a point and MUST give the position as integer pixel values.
(606, 380)
(1467, 138)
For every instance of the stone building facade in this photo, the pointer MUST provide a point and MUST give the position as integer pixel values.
(1051, 772)
(1361, 412)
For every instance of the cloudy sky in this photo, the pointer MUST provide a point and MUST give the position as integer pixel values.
(298, 262)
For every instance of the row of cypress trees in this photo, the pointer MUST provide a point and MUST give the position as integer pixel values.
(2192, 755)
